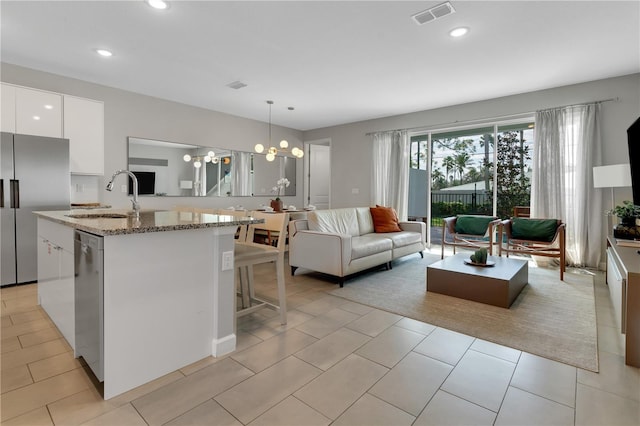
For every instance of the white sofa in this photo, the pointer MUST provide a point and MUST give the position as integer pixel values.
(340, 242)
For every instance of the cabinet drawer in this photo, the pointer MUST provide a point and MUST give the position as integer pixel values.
(57, 234)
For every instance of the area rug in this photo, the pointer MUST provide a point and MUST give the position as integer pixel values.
(550, 318)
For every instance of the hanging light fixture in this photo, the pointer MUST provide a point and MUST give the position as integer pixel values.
(284, 145)
(210, 157)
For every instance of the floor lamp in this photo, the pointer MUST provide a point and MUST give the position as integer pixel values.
(615, 176)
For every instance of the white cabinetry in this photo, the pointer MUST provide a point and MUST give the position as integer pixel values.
(623, 278)
(38, 113)
(56, 276)
(30, 111)
(8, 118)
(84, 127)
(617, 288)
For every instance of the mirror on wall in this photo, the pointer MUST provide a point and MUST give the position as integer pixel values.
(176, 169)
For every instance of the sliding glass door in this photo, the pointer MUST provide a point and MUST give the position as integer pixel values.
(453, 172)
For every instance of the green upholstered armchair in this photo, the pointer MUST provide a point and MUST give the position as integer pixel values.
(471, 231)
(539, 237)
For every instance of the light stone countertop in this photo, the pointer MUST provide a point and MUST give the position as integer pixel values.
(150, 221)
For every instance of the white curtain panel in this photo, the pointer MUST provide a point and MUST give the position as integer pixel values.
(567, 147)
(391, 171)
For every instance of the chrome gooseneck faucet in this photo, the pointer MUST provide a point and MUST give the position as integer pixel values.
(134, 200)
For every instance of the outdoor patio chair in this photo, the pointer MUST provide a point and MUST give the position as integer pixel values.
(521, 211)
(538, 237)
(470, 231)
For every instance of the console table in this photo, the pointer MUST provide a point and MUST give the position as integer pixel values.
(623, 279)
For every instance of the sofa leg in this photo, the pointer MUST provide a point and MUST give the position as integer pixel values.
(421, 255)
(293, 270)
(341, 281)
(389, 266)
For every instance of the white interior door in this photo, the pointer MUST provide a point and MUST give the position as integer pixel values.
(318, 188)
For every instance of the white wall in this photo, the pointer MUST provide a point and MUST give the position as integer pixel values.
(131, 114)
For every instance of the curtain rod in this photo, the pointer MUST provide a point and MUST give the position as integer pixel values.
(488, 119)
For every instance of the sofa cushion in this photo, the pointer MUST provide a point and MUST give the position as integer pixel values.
(534, 229)
(367, 245)
(473, 225)
(364, 220)
(337, 221)
(385, 219)
(402, 239)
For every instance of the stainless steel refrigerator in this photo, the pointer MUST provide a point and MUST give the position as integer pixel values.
(34, 175)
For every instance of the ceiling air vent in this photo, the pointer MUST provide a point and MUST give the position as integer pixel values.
(236, 85)
(434, 13)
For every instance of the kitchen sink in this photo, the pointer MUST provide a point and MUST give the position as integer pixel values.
(98, 216)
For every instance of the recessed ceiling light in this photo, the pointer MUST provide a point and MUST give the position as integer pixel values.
(458, 32)
(157, 4)
(48, 107)
(104, 52)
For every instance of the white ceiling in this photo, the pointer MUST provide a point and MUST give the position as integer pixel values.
(334, 61)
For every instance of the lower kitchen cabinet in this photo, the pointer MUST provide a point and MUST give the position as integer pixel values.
(56, 276)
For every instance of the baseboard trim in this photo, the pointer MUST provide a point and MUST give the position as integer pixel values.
(226, 345)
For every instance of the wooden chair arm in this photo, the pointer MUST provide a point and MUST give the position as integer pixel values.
(560, 231)
(449, 223)
(505, 227)
(493, 225)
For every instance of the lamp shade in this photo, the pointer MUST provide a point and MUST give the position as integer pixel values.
(617, 175)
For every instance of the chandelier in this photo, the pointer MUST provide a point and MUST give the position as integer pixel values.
(283, 146)
(198, 160)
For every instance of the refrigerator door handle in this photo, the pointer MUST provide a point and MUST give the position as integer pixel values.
(14, 193)
(1, 193)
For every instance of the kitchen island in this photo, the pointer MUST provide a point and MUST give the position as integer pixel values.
(168, 297)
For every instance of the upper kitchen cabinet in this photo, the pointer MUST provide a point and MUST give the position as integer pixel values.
(8, 118)
(38, 113)
(84, 127)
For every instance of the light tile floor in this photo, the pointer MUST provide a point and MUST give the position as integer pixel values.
(335, 362)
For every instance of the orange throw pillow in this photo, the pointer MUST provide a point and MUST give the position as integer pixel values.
(385, 219)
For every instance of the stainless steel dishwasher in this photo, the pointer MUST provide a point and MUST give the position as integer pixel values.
(89, 284)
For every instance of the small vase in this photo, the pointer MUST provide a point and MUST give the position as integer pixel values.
(276, 205)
